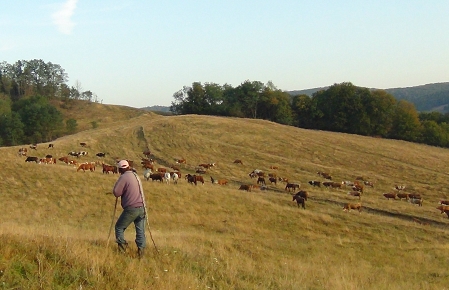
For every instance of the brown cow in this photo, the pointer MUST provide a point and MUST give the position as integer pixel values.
(390, 195)
(273, 180)
(23, 151)
(355, 193)
(336, 185)
(274, 167)
(147, 153)
(443, 208)
(83, 144)
(181, 161)
(358, 188)
(292, 186)
(86, 166)
(325, 175)
(444, 202)
(194, 179)
(414, 195)
(261, 180)
(403, 195)
(349, 206)
(162, 169)
(245, 187)
(238, 161)
(109, 168)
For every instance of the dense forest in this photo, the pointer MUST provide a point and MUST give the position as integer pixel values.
(27, 89)
(342, 108)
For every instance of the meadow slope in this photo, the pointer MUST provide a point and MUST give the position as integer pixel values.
(55, 223)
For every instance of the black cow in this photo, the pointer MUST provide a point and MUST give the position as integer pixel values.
(101, 154)
(299, 200)
(315, 183)
(32, 159)
(302, 193)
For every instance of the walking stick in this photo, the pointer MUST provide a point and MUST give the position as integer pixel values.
(112, 221)
(145, 208)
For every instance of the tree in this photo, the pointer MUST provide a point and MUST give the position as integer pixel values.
(406, 124)
(249, 94)
(302, 111)
(11, 129)
(71, 125)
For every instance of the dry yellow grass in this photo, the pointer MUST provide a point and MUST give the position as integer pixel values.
(55, 220)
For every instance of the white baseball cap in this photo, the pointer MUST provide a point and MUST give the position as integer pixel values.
(123, 164)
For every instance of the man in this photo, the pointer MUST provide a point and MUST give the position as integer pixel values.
(129, 188)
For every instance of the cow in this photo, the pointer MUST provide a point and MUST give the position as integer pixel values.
(33, 146)
(157, 176)
(399, 187)
(238, 161)
(274, 167)
(273, 180)
(325, 175)
(100, 154)
(200, 170)
(444, 202)
(292, 186)
(83, 153)
(175, 167)
(261, 180)
(206, 165)
(32, 159)
(83, 144)
(358, 188)
(361, 178)
(176, 172)
(414, 195)
(146, 174)
(86, 166)
(299, 201)
(51, 145)
(272, 175)
(175, 178)
(147, 165)
(336, 185)
(327, 183)
(368, 183)
(222, 182)
(443, 208)
(162, 169)
(349, 206)
(347, 183)
(73, 153)
(167, 177)
(22, 151)
(245, 187)
(355, 193)
(109, 168)
(147, 153)
(283, 179)
(304, 194)
(417, 201)
(194, 179)
(315, 183)
(403, 195)
(181, 161)
(390, 195)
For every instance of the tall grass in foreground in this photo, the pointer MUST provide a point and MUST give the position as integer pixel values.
(53, 234)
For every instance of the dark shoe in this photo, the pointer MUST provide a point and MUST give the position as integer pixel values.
(140, 252)
(122, 248)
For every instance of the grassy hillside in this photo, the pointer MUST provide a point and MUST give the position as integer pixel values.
(56, 220)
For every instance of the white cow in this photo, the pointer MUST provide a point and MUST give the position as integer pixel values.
(167, 177)
(147, 174)
(175, 178)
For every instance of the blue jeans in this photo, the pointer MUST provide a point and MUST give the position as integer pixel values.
(136, 215)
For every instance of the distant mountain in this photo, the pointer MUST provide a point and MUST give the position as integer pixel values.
(165, 109)
(429, 97)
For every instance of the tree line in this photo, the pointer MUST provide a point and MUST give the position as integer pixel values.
(342, 108)
(27, 114)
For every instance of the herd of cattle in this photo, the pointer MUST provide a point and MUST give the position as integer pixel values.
(173, 173)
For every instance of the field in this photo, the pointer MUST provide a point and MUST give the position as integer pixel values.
(55, 220)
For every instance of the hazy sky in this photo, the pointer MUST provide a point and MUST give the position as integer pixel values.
(138, 53)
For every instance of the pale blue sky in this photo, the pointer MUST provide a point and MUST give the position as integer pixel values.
(138, 53)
